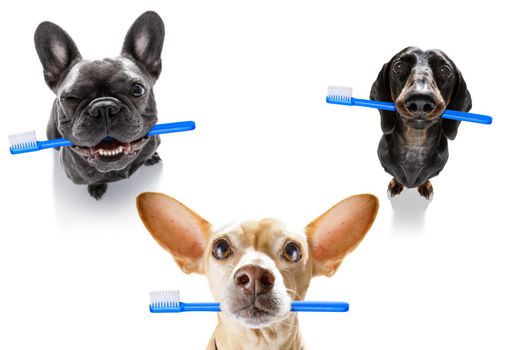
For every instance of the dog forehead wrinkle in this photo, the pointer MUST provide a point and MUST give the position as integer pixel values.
(262, 235)
(129, 67)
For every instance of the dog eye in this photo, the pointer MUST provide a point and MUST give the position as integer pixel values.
(137, 90)
(69, 98)
(445, 71)
(399, 67)
(221, 249)
(292, 252)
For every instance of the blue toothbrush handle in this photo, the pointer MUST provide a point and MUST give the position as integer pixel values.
(53, 143)
(200, 307)
(386, 106)
(390, 106)
(171, 127)
(467, 117)
(319, 306)
(297, 306)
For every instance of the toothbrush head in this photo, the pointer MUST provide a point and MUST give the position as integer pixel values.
(159, 301)
(23, 142)
(339, 94)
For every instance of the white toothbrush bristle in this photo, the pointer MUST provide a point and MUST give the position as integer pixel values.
(164, 298)
(339, 93)
(23, 140)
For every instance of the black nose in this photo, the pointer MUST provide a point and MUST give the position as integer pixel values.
(103, 108)
(254, 280)
(420, 104)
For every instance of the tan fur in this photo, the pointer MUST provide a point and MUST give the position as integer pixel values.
(190, 240)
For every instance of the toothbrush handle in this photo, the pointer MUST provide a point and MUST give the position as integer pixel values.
(156, 130)
(390, 106)
(171, 127)
(53, 143)
(466, 116)
(319, 306)
(386, 106)
(200, 307)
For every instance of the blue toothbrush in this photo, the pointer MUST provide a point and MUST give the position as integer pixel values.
(169, 301)
(343, 96)
(26, 141)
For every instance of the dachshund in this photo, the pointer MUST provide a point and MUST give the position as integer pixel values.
(422, 84)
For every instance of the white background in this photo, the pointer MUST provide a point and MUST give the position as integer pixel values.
(75, 273)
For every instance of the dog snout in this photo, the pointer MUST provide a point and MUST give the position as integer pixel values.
(104, 108)
(420, 104)
(254, 280)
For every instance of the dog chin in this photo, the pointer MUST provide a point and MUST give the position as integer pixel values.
(419, 123)
(111, 155)
(255, 317)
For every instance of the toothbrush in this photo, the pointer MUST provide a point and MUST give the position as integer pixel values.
(169, 301)
(343, 96)
(26, 141)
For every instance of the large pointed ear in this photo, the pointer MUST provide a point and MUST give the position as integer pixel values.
(381, 92)
(460, 101)
(339, 230)
(176, 228)
(143, 43)
(56, 50)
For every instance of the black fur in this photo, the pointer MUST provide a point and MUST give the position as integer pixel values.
(103, 98)
(414, 146)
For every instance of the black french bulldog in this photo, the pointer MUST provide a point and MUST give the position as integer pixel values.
(414, 147)
(104, 107)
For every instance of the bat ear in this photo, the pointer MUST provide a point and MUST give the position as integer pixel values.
(144, 41)
(56, 50)
(460, 101)
(381, 92)
(339, 231)
(176, 228)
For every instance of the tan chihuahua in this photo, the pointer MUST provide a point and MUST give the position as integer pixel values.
(256, 269)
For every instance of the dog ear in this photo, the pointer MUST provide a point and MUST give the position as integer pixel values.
(381, 92)
(176, 228)
(460, 101)
(56, 50)
(143, 42)
(339, 230)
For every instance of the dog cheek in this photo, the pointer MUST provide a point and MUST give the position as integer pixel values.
(227, 301)
(218, 280)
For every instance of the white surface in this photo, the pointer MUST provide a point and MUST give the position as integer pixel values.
(76, 273)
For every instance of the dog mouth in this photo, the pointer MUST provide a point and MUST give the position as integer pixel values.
(254, 312)
(111, 150)
(258, 312)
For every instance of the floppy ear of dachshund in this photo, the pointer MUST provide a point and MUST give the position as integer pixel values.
(422, 84)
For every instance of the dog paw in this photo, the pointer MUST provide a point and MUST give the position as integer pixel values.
(155, 158)
(426, 190)
(97, 191)
(394, 187)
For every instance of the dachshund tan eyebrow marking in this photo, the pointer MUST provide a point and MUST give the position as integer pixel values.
(414, 146)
